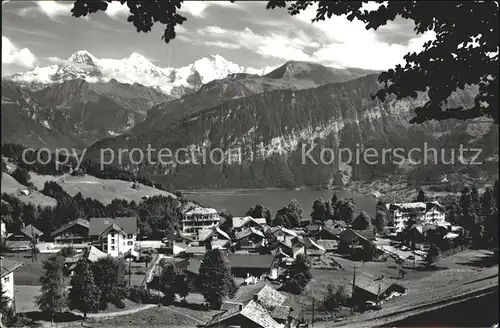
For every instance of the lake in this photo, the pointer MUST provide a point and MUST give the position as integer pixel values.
(237, 202)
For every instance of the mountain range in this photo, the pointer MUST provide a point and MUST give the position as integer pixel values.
(214, 103)
(134, 69)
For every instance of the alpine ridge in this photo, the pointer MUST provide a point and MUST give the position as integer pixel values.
(134, 69)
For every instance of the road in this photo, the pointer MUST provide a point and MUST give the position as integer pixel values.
(423, 300)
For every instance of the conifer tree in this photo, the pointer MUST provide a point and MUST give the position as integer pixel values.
(84, 294)
(53, 292)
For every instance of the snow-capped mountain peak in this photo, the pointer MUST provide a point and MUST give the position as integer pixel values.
(135, 68)
(83, 57)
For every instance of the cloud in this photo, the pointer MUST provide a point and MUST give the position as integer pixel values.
(198, 8)
(13, 55)
(50, 8)
(285, 46)
(116, 10)
(350, 44)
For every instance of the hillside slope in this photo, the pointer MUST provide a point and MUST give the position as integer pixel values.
(338, 115)
(12, 187)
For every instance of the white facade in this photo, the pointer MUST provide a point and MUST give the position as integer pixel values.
(8, 286)
(426, 213)
(199, 218)
(117, 243)
(3, 230)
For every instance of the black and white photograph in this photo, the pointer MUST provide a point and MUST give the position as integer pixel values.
(249, 164)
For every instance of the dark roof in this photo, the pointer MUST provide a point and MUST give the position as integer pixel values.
(8, 266)
(372, 285)
(29, 230)
(99, 225)
(250, 261)
(82, 222)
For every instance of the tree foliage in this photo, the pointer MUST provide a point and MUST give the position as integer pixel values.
(464, 51)
(362, 222)
(53, 292)
(109, 276)
(260, 211)
(322, 210)
(215, 280)
(299, 275)
(345, 210)
(84, 294)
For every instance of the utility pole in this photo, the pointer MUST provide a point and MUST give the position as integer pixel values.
(312, 319)
(353, 281)
(129, 269)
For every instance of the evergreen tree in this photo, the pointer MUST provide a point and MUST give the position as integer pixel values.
(380, 221)
(346, 209)
(361, 222)
(421, 196)
(432, 255)
(467, 210)
(109, 276)
(167, 284)
(299, 275)
(4, 301)
(215, 280)
(322, 210)
(490, 218)
(53, 292)
(84, 294)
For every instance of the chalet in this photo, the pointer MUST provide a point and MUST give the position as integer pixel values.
(213, 238)
(327, 234)
(91, 254)
(74, 232)
(255, 265)
(3, 230)
(115, 236)
(375, 289)
(178, 242)
(329, 245)
(23, 239)
(291, 248)
(338, 225)
(312, 248)
(266, 309)
(192, 271)
(7, 268)
(242, 223)
(283, 234)
(250, 239)
(350, 236)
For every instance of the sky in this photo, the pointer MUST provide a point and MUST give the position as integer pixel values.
(37, 33)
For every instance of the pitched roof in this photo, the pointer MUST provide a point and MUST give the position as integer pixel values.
(328, 244)
(31, 231)
(82, 222)
(200, 211)
(195, 250)
(194, 266)
(99, 225)
(8, 266)
(250, 261)
(248, 232)
(365, 234)
(240, 222)
(94, 254)
(371, 285)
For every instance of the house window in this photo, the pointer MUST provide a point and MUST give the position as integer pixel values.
(112, 248)
(113, 234)
(130, 243)
(130, 236)
(6, 279)
(112, 241)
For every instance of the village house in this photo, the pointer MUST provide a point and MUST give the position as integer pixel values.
(250, 239)
(430, 212)
(241, 223)
(23, 239)
(376, 290)
(338, 225)
(291, 248)
(266, 309)
(3, 230)
(91, 254)
(254, 265)
(114, 236)
(213, 238)
(198, 218)
(178, 243)
(312, 248)
(283, 234)
(74, 232)
(7, 268)
(327, 234)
